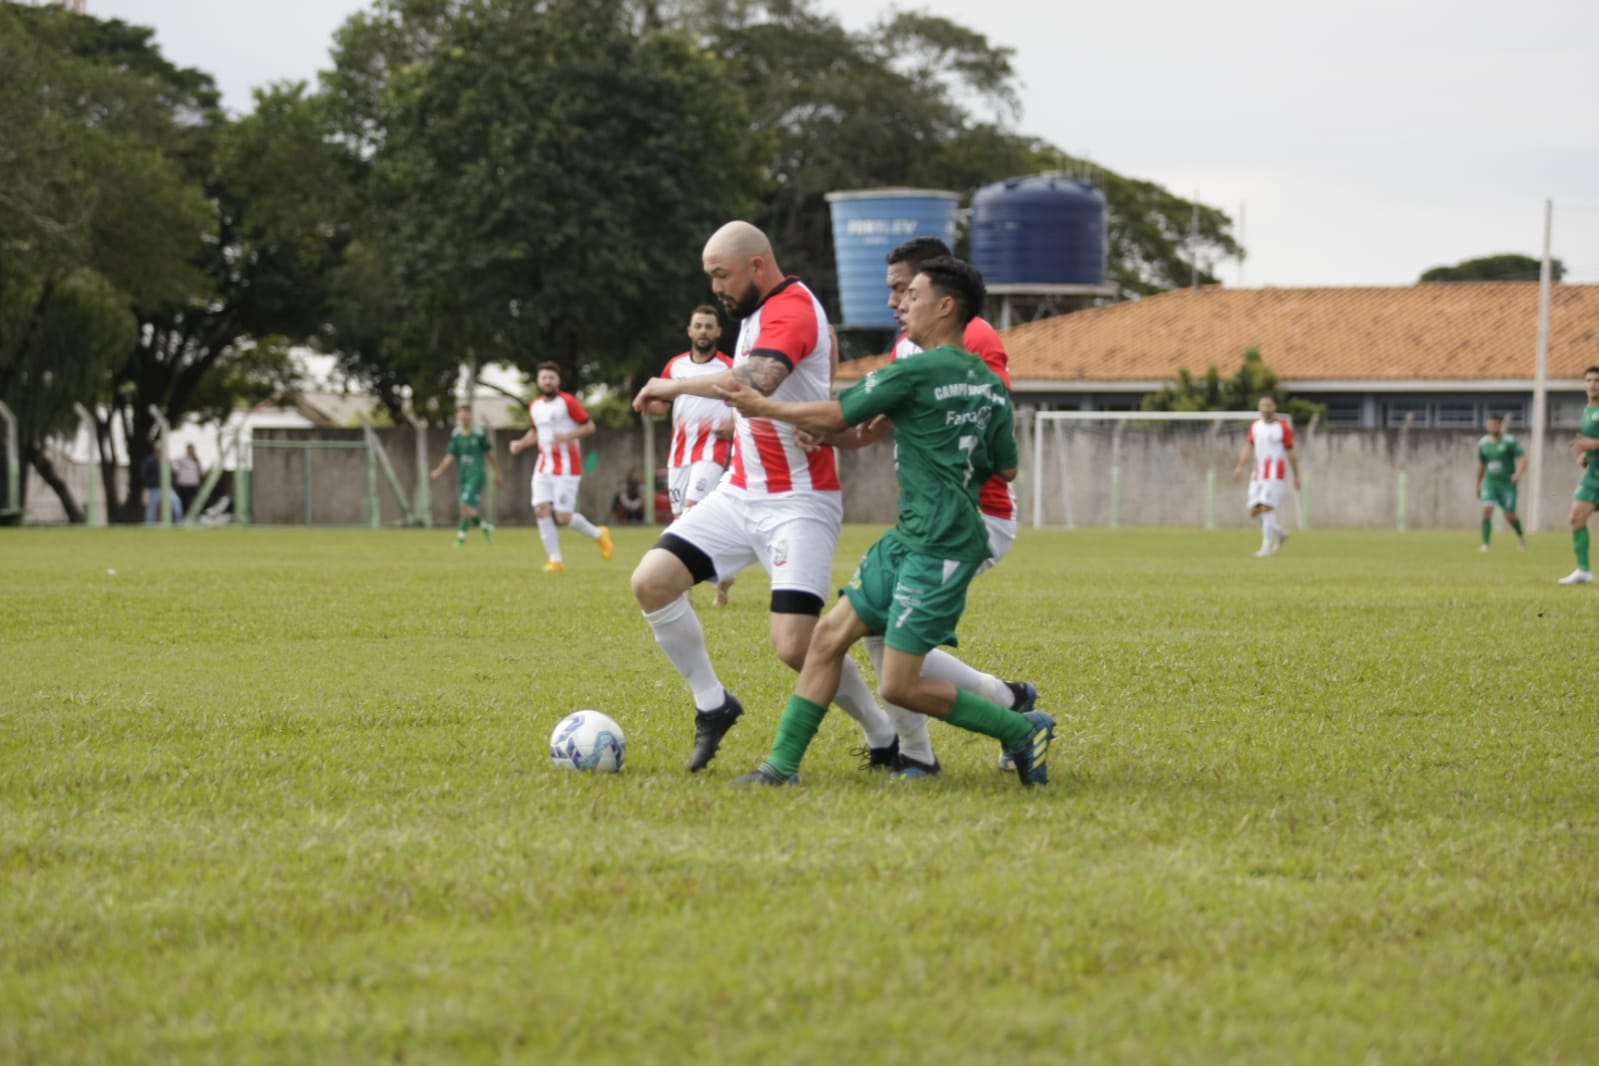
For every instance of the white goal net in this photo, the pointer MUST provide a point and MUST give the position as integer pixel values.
(1142, 468)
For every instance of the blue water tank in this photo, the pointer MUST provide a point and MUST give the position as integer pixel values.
(1040, 230)
(867, 225)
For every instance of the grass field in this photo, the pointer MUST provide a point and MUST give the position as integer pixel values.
(282, 796)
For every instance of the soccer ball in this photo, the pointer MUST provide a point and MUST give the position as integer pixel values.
(588, 740)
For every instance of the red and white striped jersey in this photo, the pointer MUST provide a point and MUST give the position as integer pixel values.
(1272, 441)
(997, 498)
(695, 418)
(561, 413)
(789, 326)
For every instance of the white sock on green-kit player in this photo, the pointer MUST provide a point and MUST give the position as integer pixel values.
(915, 738)
(855, 697)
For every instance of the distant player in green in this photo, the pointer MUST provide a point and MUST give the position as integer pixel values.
(1586, 498)
(1501, 461)
(470, 449)
(953, 424)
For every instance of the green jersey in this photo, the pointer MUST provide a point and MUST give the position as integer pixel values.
(1498, 457)
(470, 450)
(953, 426)
(1590, 422)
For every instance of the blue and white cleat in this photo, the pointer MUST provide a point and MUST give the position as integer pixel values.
(1025, 697)
(1031, 757)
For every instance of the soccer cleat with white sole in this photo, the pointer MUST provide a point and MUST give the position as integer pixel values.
(1578, 576)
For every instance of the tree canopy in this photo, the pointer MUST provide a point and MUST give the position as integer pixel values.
(1506, 267)
(472, 181)
(1240, 392)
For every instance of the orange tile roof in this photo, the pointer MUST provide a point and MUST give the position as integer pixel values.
(1448, 331)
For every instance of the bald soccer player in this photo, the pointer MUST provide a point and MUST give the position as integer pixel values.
(779, 505)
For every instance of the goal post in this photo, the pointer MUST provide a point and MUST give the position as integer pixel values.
(1141, 468)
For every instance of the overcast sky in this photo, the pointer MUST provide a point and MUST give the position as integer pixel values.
(1364, 141)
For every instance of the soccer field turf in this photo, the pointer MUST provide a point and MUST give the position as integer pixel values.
(285, 796)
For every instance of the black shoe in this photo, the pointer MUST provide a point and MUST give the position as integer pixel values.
(905, 766)
(884, 758)
(709, 729)
(765, 775)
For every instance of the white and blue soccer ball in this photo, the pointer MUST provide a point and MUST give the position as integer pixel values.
(588, 740)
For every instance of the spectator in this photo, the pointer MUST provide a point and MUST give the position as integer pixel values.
(186, 476)
(150, 478)
(627, 506)
(663, 495)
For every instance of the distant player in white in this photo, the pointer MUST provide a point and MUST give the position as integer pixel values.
(1271, 445)
(779, 505)
(559, 422)
(702, 426)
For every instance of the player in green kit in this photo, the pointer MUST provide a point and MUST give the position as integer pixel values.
(953, 424)
(1501, 461)
(470, 449)
(1586, 498)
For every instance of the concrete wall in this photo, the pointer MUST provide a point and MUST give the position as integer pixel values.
(1175, 475)
(1170, 475)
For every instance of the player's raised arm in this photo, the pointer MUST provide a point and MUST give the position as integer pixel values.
(820, 417)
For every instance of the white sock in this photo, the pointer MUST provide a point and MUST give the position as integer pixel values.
(915, 738)
(677, 631)
(1273, 526)
(1265, 529)
(943, 666)
(582, 525)
(856, 699)
(550, 534)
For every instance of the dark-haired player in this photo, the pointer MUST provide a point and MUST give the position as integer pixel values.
(953, 425)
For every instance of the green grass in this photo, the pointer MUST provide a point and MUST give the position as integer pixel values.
(284, 796)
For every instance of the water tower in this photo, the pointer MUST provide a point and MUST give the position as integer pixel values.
(867, 225)
(1041, 242)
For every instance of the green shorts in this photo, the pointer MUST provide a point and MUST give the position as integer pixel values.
(913, 600)
(472, 494)
(1588, 488)
(1500, 493)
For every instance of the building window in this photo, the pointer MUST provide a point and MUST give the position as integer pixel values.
(1566, 414)
(1394, 412)
(1457, 414)
(1342, 413)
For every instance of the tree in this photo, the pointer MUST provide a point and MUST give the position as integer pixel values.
(1241, 392)
(897, 104)
(94, 215)
(541, 179)
(1507, 267)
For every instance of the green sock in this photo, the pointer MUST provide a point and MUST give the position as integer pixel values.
(1579, 544)
(801, 719)
(476, 521)
(976, 715)
(1515, 524)
(1487, 529)
(463, 527)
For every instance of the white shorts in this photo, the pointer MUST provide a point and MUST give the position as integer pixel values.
(1265, 492)
(1001, 535)
(792, 536)
(557, 489)
(692, 483)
